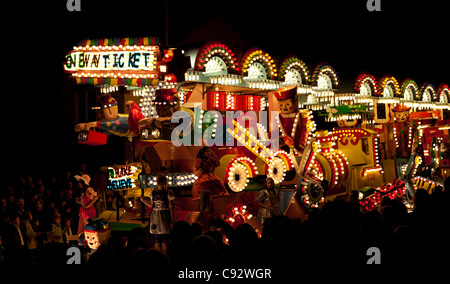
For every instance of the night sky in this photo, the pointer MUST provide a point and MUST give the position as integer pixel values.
(405, 39)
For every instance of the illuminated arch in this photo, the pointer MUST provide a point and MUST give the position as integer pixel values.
(216, 50)
(443, 92)
(257, 55)
(366, 85)
(294, 63)
(389, 87)
(327, 72)
(410, 90)
(428, 93)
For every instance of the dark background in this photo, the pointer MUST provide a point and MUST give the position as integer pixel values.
(405, 39)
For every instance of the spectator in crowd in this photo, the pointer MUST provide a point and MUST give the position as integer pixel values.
(337, 231)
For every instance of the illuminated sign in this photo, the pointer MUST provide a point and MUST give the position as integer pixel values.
(121, 177)
(113, 61)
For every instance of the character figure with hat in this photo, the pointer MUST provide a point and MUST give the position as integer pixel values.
(123, 125)
(166, 103)
(96, 233)
(109, 118)
(290, 120)
(403, 131)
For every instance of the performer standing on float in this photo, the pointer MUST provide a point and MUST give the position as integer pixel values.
(290, 120)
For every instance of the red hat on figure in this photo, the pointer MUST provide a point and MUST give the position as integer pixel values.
(400, 108)
(286, 92)
(106, 101)
(165, 96)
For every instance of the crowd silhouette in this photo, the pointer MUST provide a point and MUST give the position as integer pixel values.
(37, 215)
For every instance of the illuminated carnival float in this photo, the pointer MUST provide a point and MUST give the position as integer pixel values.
(259, 117)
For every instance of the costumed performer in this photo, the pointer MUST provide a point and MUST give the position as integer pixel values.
(87, 209)
(268, 199)
(206, 180)
(161, 217)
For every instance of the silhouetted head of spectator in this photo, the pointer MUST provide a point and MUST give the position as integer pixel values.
(420, 198)
(203, 250)
(181, 231)
(151, 258)
(197, 229)
(243, 236)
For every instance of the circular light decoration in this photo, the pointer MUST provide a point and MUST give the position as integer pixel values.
(428, 93)
(278, 166)
(325, 77)
(256, 55)
(410, 91)
(276, 170)
(214, 50)
(443, 93)
(389, 87)
(366, 85)
(238, 172)
(292, 67)
(145, 133)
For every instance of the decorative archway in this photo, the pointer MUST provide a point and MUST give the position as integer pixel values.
(410, 91)
(444, 93)
(389, 87)
(293, 70)
(428, 93)
(366, 85)
(325, 77)
(214, 55)
(254, 61)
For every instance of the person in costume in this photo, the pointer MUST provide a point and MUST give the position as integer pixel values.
(291, 123)
(268, 199)
(87, 200)
(206, 180)
(161, 217)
